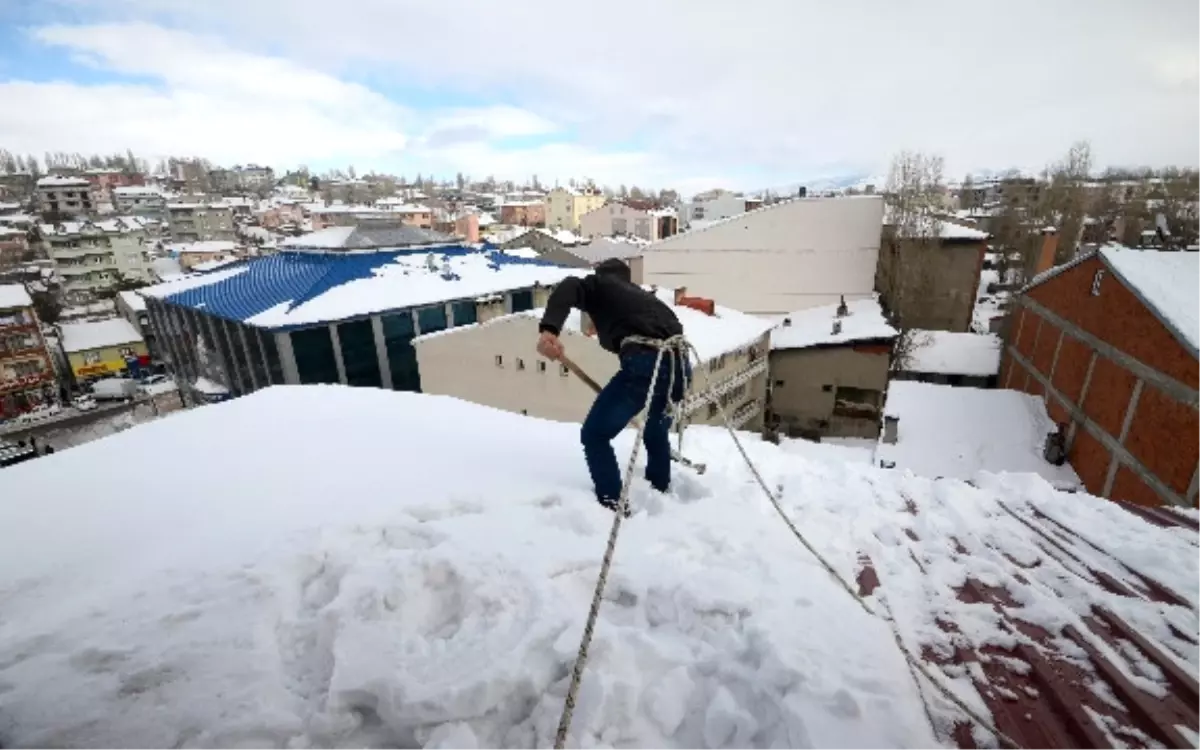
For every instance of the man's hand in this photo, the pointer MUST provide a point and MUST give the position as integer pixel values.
(549, 346)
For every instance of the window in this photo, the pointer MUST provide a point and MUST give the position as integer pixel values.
(271, 349)
(499, 360)
(522, 301)
(431, 319)
(313, 348)
(240, 373)
(402, 357)
(541, 366)
(712, 409)
(520, 364)
(857, 403)
(563, 371)
(827, 388)
(620, 226)
(1096, 282)
(778, 383)
(464, 313)
(357, 339)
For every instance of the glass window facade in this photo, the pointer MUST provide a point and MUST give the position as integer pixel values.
(257, 366)
(220, 340)
(398, 334)
(358, 354)
(465, 313)
(274, 365)
(313, 348)
(432, 319)
(240, 367)
(522, 301)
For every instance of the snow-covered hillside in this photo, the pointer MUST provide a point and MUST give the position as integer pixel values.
(316, 566)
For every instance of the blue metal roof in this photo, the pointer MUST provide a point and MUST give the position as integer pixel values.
(298, 277)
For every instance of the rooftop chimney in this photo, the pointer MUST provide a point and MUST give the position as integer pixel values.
(1049, 249)
(842, 310)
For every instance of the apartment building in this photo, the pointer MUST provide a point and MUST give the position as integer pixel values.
(140, 200)
(1109, 342)
(13, 245)
(65, 196)
(523, 213)
(27, 375)
(194, 222)
(105, 181)
(777, 259)
(716, 205)
(618, 219)
(249, 177)
(92, 256)
(565, 207)
(496, 364)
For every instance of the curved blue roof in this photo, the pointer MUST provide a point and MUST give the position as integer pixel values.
(298, 277)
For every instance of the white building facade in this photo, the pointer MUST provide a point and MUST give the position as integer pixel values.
(775, 260)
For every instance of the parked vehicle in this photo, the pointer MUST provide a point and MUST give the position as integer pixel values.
(114, 389)
(85, 403)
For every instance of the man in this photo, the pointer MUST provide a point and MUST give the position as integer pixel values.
(618, 309)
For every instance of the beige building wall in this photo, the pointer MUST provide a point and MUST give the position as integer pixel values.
(788, 257)
(584, 203)
(617, 218)
(560, 212)
(805, 388)
(497, 365)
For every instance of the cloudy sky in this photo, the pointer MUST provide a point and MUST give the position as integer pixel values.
(684, 93)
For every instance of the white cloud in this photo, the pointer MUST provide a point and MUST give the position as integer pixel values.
(772, 90)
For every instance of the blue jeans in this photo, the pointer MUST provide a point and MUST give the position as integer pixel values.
(618, 403)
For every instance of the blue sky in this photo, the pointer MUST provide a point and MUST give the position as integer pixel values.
(683, 93)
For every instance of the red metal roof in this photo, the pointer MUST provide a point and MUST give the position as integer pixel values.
(1101, 682)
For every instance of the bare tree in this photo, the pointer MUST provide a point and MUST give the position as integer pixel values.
(911, 240)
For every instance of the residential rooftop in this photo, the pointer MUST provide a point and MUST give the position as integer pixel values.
(815, 326)
(13, 296)
(297, 289)
(81, 337)
(949, 353)
(372, 235)
(57, 181)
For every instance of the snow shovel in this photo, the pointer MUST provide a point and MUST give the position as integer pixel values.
(676, 456)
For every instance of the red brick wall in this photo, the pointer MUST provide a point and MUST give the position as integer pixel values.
(1165, 437)
(1117, 317)
(1108, 395)
(1129, 487)
(1072, 367)
(1090, 460)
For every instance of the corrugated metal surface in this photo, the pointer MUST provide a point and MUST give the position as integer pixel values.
(1105, 684)
(298, 277)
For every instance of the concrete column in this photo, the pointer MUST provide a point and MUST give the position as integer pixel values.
(254, 384)
(1115, 463)
(287, 358)
(385, 367)
(337, 354)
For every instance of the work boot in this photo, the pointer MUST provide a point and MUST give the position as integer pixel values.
(612, 504)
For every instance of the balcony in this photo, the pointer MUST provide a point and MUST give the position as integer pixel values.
(78, 269)
(81, 252)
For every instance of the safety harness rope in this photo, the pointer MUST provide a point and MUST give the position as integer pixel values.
(673, 348)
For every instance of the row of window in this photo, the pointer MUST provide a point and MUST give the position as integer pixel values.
(541, 365)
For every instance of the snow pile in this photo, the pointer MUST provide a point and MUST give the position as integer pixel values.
(815, 326)
(1168, 282)
(947, 353)
(428, 586)
(948, 431)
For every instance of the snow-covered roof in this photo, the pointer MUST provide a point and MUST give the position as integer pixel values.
(442, 606)
(814, 326)
(302, 288)
(948, 353)
(603, 248)
(82, 337)
(138, 190)
(522, 252)
(133, 300)
(1168, 282)
(212, 265)
(209, 387)
(14, 295)
(947, 229)
(57, 181)
(949, 431)
(368, 236)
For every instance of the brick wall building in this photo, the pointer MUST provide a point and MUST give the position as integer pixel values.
(1109, 340)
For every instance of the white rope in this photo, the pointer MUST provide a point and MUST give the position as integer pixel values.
(673, 345)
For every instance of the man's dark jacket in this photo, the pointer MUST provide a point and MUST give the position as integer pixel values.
(617, 307)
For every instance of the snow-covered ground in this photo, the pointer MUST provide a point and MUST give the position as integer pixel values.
(326, 566)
